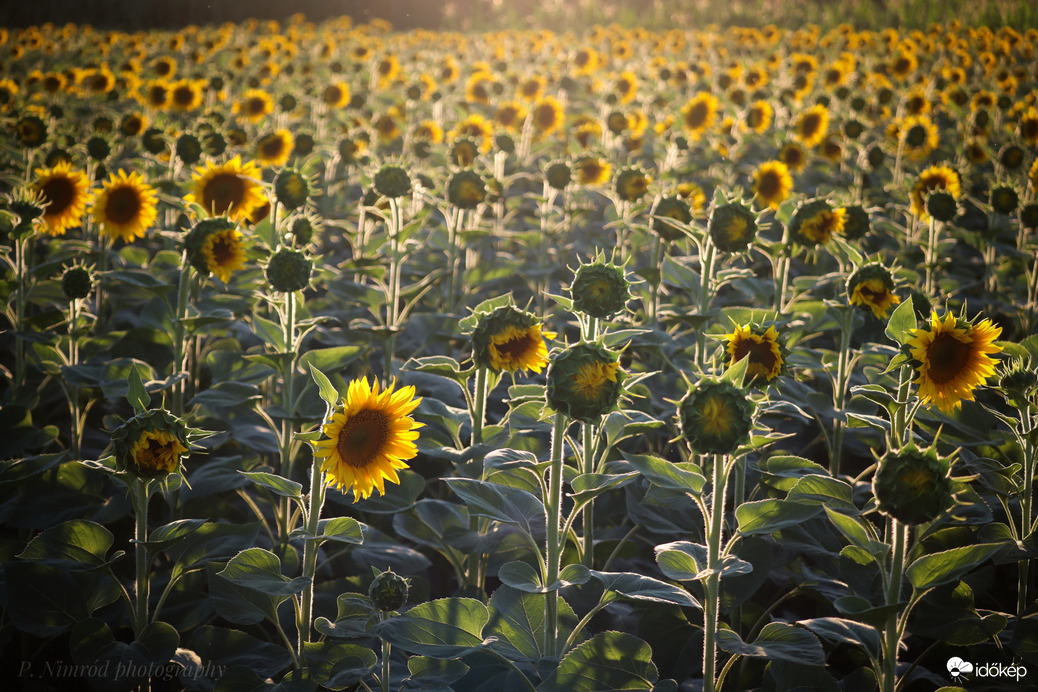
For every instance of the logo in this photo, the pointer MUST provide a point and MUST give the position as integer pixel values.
(959, 670)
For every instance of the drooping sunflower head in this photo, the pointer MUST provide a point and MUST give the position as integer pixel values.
(76, 282)
(632, 184)
(1004, 199)
(151, 444)
(368, 437)
(667, 214)
(732, 227)
(871, 287)
(392, 181)
(188, 148)
(31, 131)
(600, 289)
(274, 148)
(913, 485)
(466, 189)
(584, 381)
(125, 207)
(952, 358)
(765, 353)
(933, 178)
(558, 174)
(291, 188)
(856, 222)
(815, 222)
(716, 417)
(66, 192)
(772, 183)
(231, 188)
(216, 246)
(508, 339)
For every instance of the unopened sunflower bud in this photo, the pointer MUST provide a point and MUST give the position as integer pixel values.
(558, 175)
(600, 289)
(913, 485)
(855, 222)
(673, 208)
(76, 282)
(392, 181)
(289, 270)
(942, 205)
(716, 417)
(732, 227)
(291, 188)
(151, 444)
(872, 287)
(388, 591)
(584, 382)
(466, 189)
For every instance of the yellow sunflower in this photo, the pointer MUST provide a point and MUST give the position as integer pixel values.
(336, 95)
(919, 136)
(592, 170)
(772, 183)
(254, 105)
(125, 207)
(369, 437)
(515, 348)
(230, 188)
(157, 451)
(762, 349)
(872, 287)
(274, 148)
(548, 115)
(758, 117)
(224, 252)
(793, 155)
(933, 178)
(954, 358)
(67, 193)
(699, 114)
(185, 94)
(812, 125)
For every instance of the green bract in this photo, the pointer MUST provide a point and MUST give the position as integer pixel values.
(716, 417)
(584, 381)
(732, 227)
(913, 485)
(289, 270)
(600, 289)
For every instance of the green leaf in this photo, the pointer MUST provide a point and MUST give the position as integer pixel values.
(354, 613)
(823, 489)
(768, 516)
(858, 531)
(444, 366)
(681, 560)
(260, 570)
(172, 532)
(226, 395)
(948, 565)
(238, 604)
(685, 477)
(15, 471)
(136, 394)
(324, 386)
(275, 484)
(902, 322)
(840, 631)
(72, 545)
(337, 664)
(642, 588)
(517, 621)
(445, 628)
(225, 647)
(607, 661)
(45, 601)
(778, 641)
(736, 373)
(433, 674)
(500, 502)
(340, 530)
(335, 359)
(520, 575)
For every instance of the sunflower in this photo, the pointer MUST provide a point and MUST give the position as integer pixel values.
(156, 93)
(133, 123)
(758, 117)
(760, 346)
(510, 115)
(871, 287)
(336, 95)
(230, 188)
(274, 148)
(632, 184)
(157, 451)
(368, 438)
(793, 155)
(67, 193)
(125, 206)
(548, 115)
(185, 94)
(933, 178)
(592, 170)
(509, 339)
(224, 252)
(918, 135)
(953, 358)
(584, 382)
(254, 105)
(815, 223)
(474, 127)
(812, 125)
(1028, 127)
(699, 114)
(772, 183)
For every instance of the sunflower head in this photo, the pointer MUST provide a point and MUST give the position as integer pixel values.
(584, 381)
(151, 444)
(304, 228)
(66, 192)
(675, 209)
(766, 354)
(772, 183)
(153, 140)
(732, 227)
(1029, 215)
(952, 357)
(1004, 199)
(291, 188)
(392, 181)
(188, 148)
(871, 287)
(368, 437)
(275, 148)
(126, 206)
(231, 188)
(856, 222)
(1019, 384)
(592, 170)
(507, 339)
(941, 205)
(600, 289)
(98, 148)
(558, 174)
(77, 282)
(931, 179)
(815, 222)
(632, 184)
(31, 131)
(913, 485)
(388, 590)
(716, 417)
(215, 245)
(466, 189)
(289, 270)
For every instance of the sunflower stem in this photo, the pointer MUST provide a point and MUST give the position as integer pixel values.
(711, 587)
(76, 429)
(901, 421)
(840, 389)
(20, 249)
(891, 638)
(393, 307)
(387, 649)
(140, 502)
(931, 256)
(288, 403)
(179, 351)
(705, 296)
(475, 559)
(315, 501)
(553, 549)
(588, 518)
(1026, 508)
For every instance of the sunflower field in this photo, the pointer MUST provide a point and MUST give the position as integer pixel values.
(339, 357)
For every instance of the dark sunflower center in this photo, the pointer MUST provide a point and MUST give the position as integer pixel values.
(696, 116)
(948, 357)
(122, 205)
(769, 185)
(60, 192)
(546, 115)
(223, 190)
(760, 355)
(223, 251)
(272, 148)
(361, 439)
(810, 125)
(332, 94)
(183, 96)
(515, 348)
(916, 136)
(255, 106)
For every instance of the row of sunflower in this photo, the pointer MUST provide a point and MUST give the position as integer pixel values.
(664, 348)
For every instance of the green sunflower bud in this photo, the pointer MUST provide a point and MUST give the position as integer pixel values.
(1029, 215)
(1012, 157)
(153, 141)
(732, 227)
(913, 485)
(32, 131)
(584, 382)
(303, 229)
(504, 142)
(213, 143)
(558, 175)
(673, 208)
(875, 157)
(151, 444)
(189, 148)
(632, 184)
(289, 270)
(1004, 199)
(388, 591)
(716, 417)
(392, 181)
(292, 188)
(98, 148)
(600, 289)
(76, 282)
(855, 222)
(815, 222)
(942, 206)
(466, 189)
(1019, 385)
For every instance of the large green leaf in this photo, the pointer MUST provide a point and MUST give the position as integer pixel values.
(768, 516)
(44, 600)
(902, 322)
(517, 621)
(337, 664)
(642, 588)
(433, 674)
(777, 641)
(685, 477)
(681, 560)
(948, 565)
(275, 484)
(840, 631)
(607, 661)
(355, 612)
(92, 643)
(72, 545)
(445, 628)
(260, 570)
(500, 502)
(239, 604)
(224, 647)
(521, 575)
